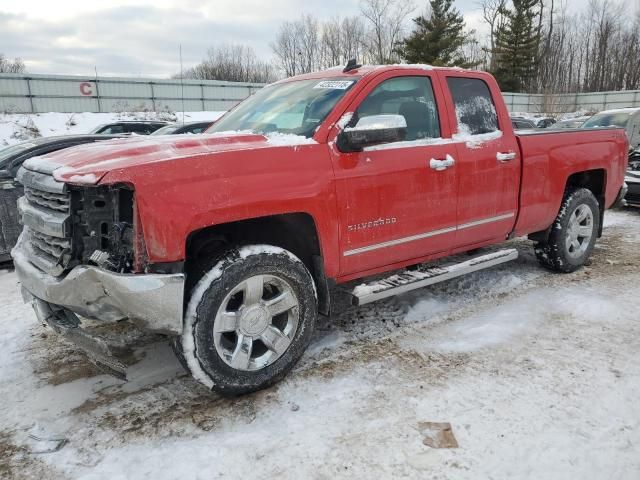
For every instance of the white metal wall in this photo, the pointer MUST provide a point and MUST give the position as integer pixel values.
(58, 93)
(571, 102)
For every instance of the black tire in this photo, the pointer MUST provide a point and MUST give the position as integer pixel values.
(554, 254)
(198, 347)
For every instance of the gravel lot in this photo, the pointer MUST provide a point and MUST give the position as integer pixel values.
(537, 373)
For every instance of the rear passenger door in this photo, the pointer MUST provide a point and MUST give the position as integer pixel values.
(393, 206)
(488, 160)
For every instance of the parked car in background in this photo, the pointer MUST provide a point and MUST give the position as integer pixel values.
(633, 179)
(570, 123)
(545, 122)
(11, 159)
(129, 127)
(181, 128)
(521, 123)
(627, 118)
(230, 242)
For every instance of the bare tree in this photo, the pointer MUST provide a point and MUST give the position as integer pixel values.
(234, 63)
(11, 66)
(386, 20)
(493, 15)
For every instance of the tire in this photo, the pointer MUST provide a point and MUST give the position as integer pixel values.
(249, 319)
(573, 234)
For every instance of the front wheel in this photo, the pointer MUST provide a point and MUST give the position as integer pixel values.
(249, 319)
(573, 234)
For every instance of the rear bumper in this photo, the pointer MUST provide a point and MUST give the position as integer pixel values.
(154, 302)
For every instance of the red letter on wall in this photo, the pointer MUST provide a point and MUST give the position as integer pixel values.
(86, 89)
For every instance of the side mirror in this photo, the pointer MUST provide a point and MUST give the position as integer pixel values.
(5, 175)
(372, 130)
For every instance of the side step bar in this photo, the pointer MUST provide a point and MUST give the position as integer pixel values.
(425, 276)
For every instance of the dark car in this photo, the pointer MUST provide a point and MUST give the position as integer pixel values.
(181, 128)
(633, 179)
(11, 159)
(129, 127)
(522, 123)
(545, 122)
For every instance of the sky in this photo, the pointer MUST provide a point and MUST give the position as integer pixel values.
(142, 37)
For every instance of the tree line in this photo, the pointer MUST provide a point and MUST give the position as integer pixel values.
(534, 46)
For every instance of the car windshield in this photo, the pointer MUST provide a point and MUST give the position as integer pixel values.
(617, 119)
(293, 107)
(6, 154)
(169, 129)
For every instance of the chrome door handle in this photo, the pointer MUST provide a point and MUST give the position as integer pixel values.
(440, 165)
(506, 156)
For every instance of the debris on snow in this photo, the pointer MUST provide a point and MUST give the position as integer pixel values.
(437, 435)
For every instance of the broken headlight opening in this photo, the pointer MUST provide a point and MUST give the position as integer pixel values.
(103, 227)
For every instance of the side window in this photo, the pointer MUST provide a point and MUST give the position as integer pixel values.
(113, 129)
(411, 97)
(475, 110)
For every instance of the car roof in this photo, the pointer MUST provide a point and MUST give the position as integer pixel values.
(366, 70)
(629, 110)
(40, 141)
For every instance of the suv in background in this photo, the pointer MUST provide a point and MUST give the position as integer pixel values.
(137, 127)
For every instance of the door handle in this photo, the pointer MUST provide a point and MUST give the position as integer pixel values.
(506, 156)
(440, 165)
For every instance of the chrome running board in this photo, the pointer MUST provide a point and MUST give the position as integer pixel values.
(408, 280)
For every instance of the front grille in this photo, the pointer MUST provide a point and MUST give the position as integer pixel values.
(51, 201)
(46, 215)
(52, 246)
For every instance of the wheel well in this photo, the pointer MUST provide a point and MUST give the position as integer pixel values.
(594, 180)
(295, 232)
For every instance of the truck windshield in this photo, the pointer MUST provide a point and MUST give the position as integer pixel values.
(296, 107)
(619, 119)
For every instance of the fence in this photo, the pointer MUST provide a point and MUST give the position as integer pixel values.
(58, 93)
(571, 102)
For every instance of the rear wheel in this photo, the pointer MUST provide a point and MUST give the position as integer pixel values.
(573, 234)
(249, 319)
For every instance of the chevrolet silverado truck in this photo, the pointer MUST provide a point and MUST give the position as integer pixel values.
(232, 241)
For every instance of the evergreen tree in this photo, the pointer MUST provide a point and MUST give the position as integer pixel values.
(516, 52)
(438, 39)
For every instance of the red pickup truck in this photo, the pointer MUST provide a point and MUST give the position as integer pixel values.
(231, 241)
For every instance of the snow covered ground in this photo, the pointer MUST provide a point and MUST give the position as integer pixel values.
(537, 373)
(15, 128)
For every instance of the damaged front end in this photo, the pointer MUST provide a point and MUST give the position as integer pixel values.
(81, 255)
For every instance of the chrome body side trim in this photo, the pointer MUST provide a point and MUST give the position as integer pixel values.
(433, 233)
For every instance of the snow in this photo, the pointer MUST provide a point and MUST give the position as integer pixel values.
(538, 374)
(288, 139)
(476, 141)
(89, 179)
(16, 128)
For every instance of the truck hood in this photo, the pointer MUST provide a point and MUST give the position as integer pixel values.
(87, 164)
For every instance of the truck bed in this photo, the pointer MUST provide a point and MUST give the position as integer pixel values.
(550, 158)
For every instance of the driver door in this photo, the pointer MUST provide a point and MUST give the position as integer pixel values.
(393, 206)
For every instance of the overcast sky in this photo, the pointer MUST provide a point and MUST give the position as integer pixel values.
(141, 37)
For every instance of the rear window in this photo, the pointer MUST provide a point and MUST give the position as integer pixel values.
(475, 110)
(619, 119)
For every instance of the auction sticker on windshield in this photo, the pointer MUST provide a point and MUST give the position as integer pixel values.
(335, 84)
